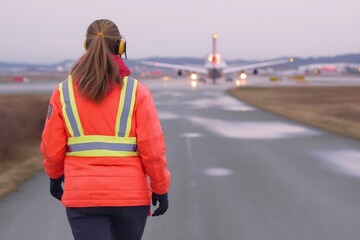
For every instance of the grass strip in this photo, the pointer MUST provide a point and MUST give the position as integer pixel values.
(22, 119)
(335, 109)
(16, 171)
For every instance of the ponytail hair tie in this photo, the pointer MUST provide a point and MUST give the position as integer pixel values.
(100, 33)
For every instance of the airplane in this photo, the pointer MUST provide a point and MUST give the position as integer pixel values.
(215, 67)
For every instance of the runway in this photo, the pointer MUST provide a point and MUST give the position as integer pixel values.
(183, 83)
(28, 88)
(237, 173)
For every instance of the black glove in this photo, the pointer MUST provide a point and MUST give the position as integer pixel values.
(163, 203)
(56, 189)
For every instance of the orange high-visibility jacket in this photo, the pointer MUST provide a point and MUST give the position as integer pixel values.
(109, 180)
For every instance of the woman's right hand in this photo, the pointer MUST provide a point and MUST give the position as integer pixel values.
(163, 203)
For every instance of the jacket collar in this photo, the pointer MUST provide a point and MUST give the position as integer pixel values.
(123, 69)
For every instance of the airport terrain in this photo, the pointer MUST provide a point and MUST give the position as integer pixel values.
(237, 173)
(333, 108)
(22, 117)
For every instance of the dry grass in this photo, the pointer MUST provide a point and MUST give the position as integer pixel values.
(19, 169)
(22, 119)
(336, 109)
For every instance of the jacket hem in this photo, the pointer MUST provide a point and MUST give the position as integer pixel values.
(104, 203)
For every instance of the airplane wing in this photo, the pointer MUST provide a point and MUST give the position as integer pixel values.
(197, 69)
(231, 69)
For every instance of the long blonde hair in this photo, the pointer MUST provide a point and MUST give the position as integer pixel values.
(97, 71)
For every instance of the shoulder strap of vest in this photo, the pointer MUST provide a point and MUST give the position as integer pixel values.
(69, 108)
(126, 107)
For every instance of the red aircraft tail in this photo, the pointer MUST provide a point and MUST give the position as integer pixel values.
(214, 37)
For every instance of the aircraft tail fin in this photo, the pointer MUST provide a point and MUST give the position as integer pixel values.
(214, 37)
(214, 53)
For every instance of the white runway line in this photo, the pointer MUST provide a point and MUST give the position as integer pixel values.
(191, 135)
(167, 115)
(220, 101)
(344, 161)
(240, 108)
(218, 172)
(252, 130)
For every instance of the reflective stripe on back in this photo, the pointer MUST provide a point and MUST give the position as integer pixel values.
(126, 106)
(118, 145)
(102, 145)
(66, 118)
(102, 153)
(73, 106)
(131, 111)
(67, 106)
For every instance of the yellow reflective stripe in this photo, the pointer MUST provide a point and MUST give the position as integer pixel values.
(121, 105)
(129, 121)
(102, 153)
(63, 104)
(73, 106)
(100, 138)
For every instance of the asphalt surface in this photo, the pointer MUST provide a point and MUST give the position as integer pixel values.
(32, 87)
(263, 81)
(237, 173)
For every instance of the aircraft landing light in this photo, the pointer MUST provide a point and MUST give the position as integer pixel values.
(165, 78)
(193, 76)
(193, 84)
(240, 82)
(243, 76)
(215, 35)
(291, 60)
(210, 58)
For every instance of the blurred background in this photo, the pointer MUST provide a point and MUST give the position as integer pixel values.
(259, 102)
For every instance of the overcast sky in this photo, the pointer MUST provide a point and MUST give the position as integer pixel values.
(46, 31)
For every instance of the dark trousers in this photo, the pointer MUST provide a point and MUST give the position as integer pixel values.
(108, 223)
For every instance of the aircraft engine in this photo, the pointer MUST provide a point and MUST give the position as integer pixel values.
(180, 73)
(255, 72)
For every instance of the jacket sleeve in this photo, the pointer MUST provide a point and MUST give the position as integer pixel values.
(54, 139)
(151, 144)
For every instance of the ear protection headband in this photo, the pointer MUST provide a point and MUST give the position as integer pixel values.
(120, 46)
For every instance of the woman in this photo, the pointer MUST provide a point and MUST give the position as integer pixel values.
(102, 138)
